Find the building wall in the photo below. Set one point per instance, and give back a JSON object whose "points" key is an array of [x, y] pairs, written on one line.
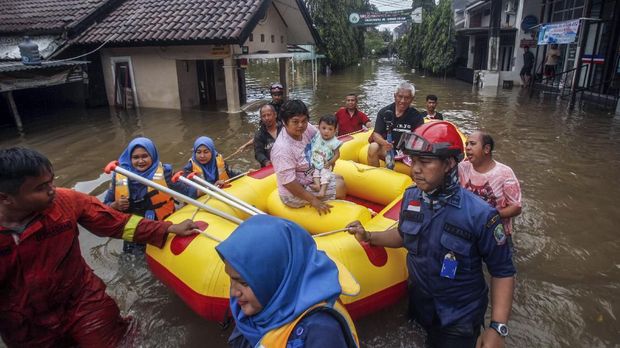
{"points": [[156, 73], [526, 8], [271, 25]]}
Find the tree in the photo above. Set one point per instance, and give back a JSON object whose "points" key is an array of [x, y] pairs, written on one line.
{"points": [[439, 48], [375, 42], [342, 43], [430, 44]]}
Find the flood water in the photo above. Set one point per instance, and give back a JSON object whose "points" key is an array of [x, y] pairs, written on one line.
{"points": [[566, 241]]}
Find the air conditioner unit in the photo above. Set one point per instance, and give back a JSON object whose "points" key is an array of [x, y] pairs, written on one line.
{"points": [[510, 7]]}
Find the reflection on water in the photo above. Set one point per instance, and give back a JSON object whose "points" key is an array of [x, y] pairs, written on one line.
{"points": [[567, 250]]}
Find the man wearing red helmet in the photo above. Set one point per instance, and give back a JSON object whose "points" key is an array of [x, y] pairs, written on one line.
{"points": [[448, 232]]}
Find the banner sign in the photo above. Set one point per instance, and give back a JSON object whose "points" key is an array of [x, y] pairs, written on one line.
{"points": [[376, 18], [558, 33]]}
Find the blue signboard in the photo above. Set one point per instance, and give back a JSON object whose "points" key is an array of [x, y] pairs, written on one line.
{"points": [[558, 33], [528, 23]]}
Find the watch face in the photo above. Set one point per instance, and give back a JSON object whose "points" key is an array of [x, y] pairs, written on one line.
{"points": [[503, 330]]}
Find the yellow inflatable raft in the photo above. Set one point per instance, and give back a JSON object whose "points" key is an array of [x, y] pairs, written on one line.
{"points": [[193, 269]]}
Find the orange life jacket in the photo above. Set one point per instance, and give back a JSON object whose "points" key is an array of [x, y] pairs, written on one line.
{"points": [[221, 168], [278, 338], [162, 203]]}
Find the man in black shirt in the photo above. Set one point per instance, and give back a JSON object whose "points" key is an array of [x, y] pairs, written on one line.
{"points": [[266, 135], [528, 64], [406, 119]]}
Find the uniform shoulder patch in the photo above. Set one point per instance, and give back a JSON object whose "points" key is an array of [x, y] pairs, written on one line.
{"points": [[492, 221], [499, 234]]}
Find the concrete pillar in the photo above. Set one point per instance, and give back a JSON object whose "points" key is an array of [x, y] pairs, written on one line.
{"points": [[284, 79], [232, 86], [494, 30], [470, 51]]}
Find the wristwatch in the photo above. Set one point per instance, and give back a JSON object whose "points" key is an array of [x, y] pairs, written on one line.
{"points": [[501, 328]]}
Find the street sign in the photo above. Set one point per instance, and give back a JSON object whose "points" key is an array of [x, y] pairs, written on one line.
{"points": [[385, 17]]}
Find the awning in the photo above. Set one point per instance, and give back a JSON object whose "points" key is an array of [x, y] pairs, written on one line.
{"points": [[16, 76]]}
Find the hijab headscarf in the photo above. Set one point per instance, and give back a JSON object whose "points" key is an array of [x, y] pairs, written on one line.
{"points": [[209, 170], [287, 274], [137, 190]]}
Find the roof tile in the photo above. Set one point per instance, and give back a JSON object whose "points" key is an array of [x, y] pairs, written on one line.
{"points": [[17, 16]]}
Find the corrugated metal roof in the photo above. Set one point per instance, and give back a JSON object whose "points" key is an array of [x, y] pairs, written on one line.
{"points": [[9, 49], [18, 66], [136, 21]]}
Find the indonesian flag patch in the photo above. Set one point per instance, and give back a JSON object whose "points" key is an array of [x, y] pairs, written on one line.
{"points": [[414, 206]]}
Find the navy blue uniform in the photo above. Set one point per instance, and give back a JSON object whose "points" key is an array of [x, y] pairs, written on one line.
{"points": [[466, 228]]}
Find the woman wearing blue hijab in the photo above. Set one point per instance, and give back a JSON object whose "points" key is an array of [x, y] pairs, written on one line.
{"points": [[208, 164], [141, 158], [285, 293]]}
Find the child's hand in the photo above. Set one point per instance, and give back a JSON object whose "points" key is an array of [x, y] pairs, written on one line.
{"points": [[121, 205], [222, 184]]}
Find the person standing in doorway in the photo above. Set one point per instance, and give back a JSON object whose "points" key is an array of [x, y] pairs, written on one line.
{"points": [[431, 108], [528, 64], [551, 61], [350, 118]]}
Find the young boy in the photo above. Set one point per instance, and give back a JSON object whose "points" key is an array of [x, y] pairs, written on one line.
{"points": [[50, 297], [325, 152]]}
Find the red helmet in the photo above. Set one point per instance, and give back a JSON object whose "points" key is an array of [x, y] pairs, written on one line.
{"points": [[433, 139]]}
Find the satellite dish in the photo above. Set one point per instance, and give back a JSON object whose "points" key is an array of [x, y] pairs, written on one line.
{"points": [[416, 15]]}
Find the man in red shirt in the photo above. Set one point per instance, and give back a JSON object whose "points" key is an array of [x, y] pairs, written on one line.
{"points": [[49, 296], [350, 119]]}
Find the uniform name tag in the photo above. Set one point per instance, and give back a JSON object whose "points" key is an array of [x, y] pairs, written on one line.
{"points": [[413, 216], [449, 265]]}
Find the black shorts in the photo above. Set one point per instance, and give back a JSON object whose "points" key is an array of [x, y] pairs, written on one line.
{"points": [[526, 70], [549, 70]]}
